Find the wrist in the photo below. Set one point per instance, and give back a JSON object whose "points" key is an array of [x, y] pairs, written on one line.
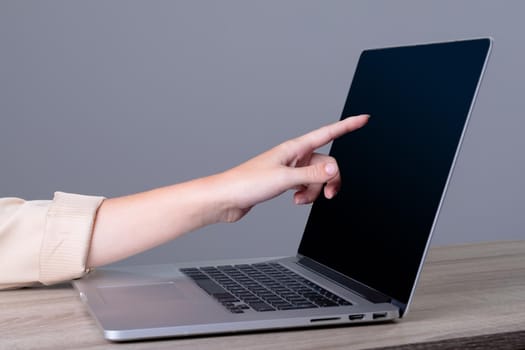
{"points": [[224, 197]]}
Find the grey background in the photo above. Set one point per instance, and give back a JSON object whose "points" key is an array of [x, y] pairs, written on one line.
{"points": [[115, 97]]}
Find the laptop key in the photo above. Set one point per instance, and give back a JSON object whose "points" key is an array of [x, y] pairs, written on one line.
{"points": [[210, 286], [261, 306], [225, 297], [298, 307]]}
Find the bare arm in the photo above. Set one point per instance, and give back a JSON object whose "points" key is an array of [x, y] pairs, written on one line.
{"points": [[132, 224]]}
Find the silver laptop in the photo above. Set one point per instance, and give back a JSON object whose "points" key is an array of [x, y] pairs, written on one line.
{"points": [[361, 252]]}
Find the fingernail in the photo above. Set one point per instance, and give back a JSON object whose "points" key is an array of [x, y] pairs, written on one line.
{"points": [[299, 200], [330, 168]]}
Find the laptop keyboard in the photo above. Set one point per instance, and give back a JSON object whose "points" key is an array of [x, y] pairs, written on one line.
{"points": [[261, 287]]}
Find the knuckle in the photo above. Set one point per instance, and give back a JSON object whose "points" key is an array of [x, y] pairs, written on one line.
{"points": [[315, 173]]}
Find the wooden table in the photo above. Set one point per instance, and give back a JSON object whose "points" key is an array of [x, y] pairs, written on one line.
{"points": [[468, 294]]}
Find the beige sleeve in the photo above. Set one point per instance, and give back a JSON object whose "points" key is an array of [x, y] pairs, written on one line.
{"points": [[45, 241]]}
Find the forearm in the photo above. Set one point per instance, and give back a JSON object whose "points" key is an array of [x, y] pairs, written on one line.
{"points": [[131, 224]]}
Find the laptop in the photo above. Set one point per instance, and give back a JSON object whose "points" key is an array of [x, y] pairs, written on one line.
{"points": [[361, 252]]}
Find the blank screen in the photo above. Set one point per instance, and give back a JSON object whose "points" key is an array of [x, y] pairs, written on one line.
{"points": [[394, 170]]}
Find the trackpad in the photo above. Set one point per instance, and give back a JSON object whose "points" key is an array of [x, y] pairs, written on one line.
{"points": [[157, 304], [142, 293]]}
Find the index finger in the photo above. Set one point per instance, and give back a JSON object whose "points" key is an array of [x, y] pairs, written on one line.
{"points": [[322, 136]]}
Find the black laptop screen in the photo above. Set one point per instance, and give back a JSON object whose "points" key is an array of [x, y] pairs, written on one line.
{"points": [[394, 170]]}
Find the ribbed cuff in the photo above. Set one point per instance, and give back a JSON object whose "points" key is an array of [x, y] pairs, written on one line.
{"points": [[67, 237]]}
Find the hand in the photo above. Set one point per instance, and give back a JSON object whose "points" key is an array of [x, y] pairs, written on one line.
{"points": [[293, 164], [131, 224]]}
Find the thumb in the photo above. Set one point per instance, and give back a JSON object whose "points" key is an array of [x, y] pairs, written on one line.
{"points": [[316, 173]]}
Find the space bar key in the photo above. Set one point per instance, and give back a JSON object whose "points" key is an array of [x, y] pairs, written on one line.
{"points": [[210, 287]]}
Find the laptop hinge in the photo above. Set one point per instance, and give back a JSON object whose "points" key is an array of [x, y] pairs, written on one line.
{"points": [[366, 292]]}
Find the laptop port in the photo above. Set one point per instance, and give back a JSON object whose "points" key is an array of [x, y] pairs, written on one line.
{"points": [[325, 319], [377, 315], [356, 317]]}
